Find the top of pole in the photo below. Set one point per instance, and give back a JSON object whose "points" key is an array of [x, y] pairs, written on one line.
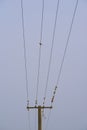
{"points": [[42, 107]]}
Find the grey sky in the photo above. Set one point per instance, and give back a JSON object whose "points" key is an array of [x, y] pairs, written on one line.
{"points": [[70, 106]]}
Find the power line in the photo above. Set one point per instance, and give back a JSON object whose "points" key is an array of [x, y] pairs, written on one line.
{"points": [[65, 50], [63, 60], [41, 33], [25, 60], [53, 38], [38, 75], [54, 93], [67, 42], [40, 45], [24, 47]]}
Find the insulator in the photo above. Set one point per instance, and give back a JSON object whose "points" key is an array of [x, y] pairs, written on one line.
{"points": [[28, 108], [54, 92], [53, 97], [36, 102], [27, 102], [28, 105], [40, 43], [52, 100], [56, 87], [44, 100]]}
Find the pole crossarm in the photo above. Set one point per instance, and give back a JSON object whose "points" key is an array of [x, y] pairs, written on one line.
{"points": [[41, 107]]}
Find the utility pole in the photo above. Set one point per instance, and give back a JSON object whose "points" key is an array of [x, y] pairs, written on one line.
{"points": [[39, 118], [39, 108]]}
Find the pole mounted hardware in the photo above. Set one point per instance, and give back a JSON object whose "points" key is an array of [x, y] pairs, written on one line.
{"points": [[39, 108]]}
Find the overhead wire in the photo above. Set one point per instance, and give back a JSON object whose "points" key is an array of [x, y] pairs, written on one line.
{"points": [[66, 46], [25, 60], [40, 46], [67, 42], [24, 47], [38, 75], [50, 60], [41, 33], [51, 52]]}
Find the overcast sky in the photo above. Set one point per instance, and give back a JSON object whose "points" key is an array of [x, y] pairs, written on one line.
{"points": [[70, 106]]}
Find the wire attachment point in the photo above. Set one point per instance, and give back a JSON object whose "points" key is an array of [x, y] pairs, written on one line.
{"points": [[27, 105], [44, 100], [40, 43], [52, 100], [35, 102]]}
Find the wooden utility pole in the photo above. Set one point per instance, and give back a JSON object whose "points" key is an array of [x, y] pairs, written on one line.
{"points": [[39, 114], [39, 118]]}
